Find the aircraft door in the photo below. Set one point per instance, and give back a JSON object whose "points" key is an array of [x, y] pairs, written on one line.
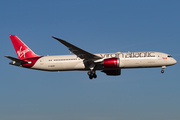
{"points": [[41, 61]]}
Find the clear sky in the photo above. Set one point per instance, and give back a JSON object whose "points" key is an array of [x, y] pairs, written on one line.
{"points": [[97, 26]]}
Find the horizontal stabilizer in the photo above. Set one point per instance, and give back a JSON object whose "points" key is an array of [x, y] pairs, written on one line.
{"points": [[16, 60]]}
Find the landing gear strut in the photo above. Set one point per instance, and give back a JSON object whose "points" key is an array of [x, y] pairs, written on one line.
{"points": [[92, 74], [163, 67]]}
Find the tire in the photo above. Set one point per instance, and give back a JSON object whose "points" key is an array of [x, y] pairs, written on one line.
{"points": [[94, 75], [90, 77]]}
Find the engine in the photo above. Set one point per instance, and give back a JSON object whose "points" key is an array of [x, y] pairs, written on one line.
{"points": [[111, 63]]}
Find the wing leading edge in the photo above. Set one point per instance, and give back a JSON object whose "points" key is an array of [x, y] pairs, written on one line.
{"points": [[78, 51]]}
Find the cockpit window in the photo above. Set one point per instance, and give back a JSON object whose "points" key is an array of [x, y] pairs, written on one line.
{"points": [[169, 56]]}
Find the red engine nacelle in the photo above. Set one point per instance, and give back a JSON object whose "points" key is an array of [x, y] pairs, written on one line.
{"points": [[111, 63]]}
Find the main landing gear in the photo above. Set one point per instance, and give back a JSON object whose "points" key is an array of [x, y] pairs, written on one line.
{"points": [[92, 74], [163, 67]]}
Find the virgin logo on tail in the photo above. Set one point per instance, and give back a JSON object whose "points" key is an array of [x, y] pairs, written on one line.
{"points": [[21, 52]]}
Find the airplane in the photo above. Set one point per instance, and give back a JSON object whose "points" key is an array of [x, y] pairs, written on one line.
{"points": [[109, 63]]}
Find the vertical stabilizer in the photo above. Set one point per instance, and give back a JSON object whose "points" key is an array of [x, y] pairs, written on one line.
{"points": [[22, 50]]}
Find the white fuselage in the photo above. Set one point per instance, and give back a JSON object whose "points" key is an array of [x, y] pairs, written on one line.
{"points": [[127, 60]]}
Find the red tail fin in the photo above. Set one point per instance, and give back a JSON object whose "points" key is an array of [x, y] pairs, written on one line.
{"points": [[22, 50]]}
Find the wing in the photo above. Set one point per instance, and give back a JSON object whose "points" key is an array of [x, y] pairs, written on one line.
{"points": [[78, 51]]}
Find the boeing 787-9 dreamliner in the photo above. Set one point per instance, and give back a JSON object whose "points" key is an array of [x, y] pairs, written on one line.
{"points": [[109, 63]]}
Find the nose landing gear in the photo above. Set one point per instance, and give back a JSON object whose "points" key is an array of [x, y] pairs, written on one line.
{"points": [[163, 67]]}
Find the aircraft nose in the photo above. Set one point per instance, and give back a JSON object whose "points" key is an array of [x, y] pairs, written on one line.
{"points": [[171, 61], [174, 61]]}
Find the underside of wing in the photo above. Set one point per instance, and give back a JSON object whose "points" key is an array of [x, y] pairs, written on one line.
{"points": [[78, 51]]}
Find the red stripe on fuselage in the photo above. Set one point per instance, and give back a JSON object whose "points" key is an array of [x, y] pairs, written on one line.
{"points": [[31, 62]]}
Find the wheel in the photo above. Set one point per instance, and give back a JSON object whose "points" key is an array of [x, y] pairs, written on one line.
{"points": [[89, 73], [90, 77], [162, 71], [94, 75]]}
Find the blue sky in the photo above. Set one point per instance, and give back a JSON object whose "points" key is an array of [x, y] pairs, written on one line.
{"points": [[97, 26]]}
